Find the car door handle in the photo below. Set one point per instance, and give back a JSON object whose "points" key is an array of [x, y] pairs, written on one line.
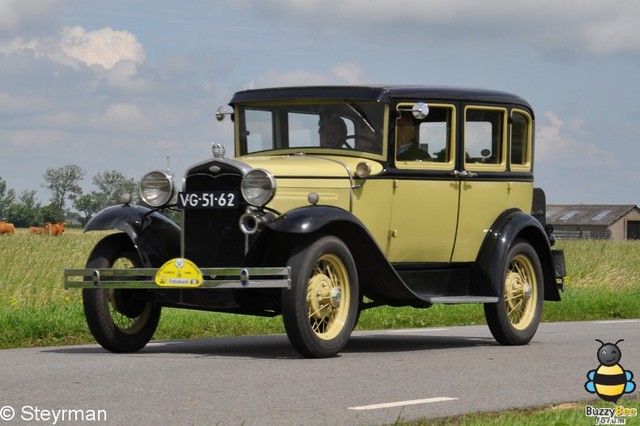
{"points": [[464, 174]]}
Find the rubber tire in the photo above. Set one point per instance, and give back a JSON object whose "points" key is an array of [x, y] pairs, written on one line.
{"points": [[99, 303], [295, 306], [501, 326]]}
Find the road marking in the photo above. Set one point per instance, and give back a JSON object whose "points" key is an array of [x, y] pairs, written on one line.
{"points": [[617, 321], [403, 403]]}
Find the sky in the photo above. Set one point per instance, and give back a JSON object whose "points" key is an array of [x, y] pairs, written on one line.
{"points": [[133, 85]]}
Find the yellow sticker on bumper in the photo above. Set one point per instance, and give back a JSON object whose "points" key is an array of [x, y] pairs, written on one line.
{"points": [[179, 273]]}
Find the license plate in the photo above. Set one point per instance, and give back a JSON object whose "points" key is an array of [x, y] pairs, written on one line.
{"points": [[208, 200]]}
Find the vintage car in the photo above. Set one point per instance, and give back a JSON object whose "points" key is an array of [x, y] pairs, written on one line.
{"points": [[338, 199]]}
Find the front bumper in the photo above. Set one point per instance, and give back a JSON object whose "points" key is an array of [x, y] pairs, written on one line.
{"points": [[144, 278]]}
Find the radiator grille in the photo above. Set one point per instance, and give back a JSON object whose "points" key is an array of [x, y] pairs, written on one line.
{"points": [[212, 237]]}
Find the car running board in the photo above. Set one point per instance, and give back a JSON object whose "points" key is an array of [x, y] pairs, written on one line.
{"points": [[459, 299]]}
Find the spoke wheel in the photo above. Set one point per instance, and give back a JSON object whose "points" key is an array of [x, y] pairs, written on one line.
{"points": [[515, 318], [328, 297], [120, 320], [520, 292], [129, 316], [320, 309]]}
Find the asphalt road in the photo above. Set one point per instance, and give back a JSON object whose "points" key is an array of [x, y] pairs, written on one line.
{"points": [[259, 380]]}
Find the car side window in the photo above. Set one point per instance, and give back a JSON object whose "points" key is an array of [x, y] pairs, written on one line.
{"points": [[426, 143], [521, 130], [484, 136], [435, 134]]}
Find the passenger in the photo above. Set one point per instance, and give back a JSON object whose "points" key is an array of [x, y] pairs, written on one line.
{"points": [[407, 146], [333, 132]]}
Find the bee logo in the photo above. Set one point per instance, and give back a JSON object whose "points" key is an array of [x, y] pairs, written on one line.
{"points": [[609, 381]]}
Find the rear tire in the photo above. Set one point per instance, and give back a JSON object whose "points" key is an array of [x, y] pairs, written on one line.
{"points": [[515, 318], [320, 309], [120, 320]]}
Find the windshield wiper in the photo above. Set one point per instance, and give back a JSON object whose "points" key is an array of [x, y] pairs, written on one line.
{"points": [[355, 108]]}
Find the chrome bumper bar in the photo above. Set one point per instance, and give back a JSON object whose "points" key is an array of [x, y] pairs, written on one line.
{"points": [[144, 278]]}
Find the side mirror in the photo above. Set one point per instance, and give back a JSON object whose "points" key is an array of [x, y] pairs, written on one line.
{"points": [[420, 110], [221, 112]]}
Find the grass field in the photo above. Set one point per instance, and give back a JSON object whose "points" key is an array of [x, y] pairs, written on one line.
{"points": [[35, 310]]}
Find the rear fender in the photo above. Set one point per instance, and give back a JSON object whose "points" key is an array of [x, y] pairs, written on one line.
{"points": [[155, 237], [511, 225]]}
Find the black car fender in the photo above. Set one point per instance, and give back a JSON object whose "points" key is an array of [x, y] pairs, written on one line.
{"points": [[378, 279], [513, 224], [155, 237]]}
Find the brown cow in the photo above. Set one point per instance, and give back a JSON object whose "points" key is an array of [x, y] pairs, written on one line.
{"points": [[7, 228], [54, 229], [36, 230]]}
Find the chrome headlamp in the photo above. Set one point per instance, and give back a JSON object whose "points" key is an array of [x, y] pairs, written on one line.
{"points": [[156, 188], [258, 187]]}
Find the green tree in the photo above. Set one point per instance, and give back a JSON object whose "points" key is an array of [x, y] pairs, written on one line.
{"points": [[7, 198], [88, 204], [52, 213], [21, 216], [63, 184], [26, 211], [112, 184]]}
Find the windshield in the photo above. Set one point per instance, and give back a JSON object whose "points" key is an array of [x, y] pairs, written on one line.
{"points": [[332, 125]]}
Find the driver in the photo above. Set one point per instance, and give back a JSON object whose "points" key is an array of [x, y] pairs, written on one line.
{"points": [[332, 132]]}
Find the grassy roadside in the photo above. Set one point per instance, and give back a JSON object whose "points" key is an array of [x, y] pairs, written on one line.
{"points": [[568, 414], [35, 310]]}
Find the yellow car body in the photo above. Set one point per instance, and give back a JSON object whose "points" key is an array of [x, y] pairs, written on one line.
{"points": [[339, 199]]}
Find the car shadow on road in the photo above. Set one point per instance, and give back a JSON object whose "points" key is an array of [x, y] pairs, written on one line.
{"points": [[278, 346], [388, 342]]}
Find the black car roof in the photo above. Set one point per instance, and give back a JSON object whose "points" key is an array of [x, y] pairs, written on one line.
{"points": [[379, 94]]}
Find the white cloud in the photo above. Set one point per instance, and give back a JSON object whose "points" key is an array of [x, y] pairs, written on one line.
{"points": [[123, 115], [619, 33], [9, 16], [74, 46], [343, 73], [591, 27], [17, 45], [22, 104], [15, 15], [124, 76], [349, 73], [105, 47], [564, 143], [35, 139]]}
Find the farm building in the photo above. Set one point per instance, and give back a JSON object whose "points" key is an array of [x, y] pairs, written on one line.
{"points": [[595, 221]]}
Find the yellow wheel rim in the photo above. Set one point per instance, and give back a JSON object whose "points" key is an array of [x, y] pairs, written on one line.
{"points": [[521, 292], [328, 297]]}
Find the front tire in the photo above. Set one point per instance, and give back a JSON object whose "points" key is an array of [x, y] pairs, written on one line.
{"points": [[320, 309], [120, 320], [515, 318]]}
